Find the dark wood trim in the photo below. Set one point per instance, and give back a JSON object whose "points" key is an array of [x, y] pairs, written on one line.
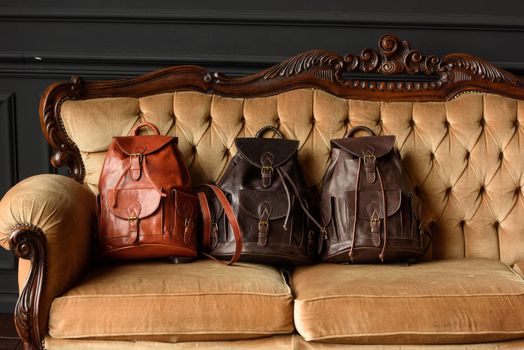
{"points": [[29, 242], [448, 76]]}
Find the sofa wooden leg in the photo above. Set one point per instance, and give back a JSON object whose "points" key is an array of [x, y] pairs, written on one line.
{"points": [[29, 242]]}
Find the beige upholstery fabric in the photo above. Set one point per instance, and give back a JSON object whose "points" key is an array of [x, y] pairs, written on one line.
{"points": [[66, 212], [519, 268], [438, 302], [160, 301], [280, 342], [464, 155]]}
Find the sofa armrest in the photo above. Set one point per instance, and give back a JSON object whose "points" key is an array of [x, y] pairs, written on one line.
{"points": [[519, 268], [48, 219]]}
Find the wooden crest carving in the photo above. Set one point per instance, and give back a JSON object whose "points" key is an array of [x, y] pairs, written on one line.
{"points": [[394, 56]]}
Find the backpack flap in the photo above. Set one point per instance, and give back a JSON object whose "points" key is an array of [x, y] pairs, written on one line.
{"points": [[133, 203], [142, 144], [369, 148], [263, 207], [266, 154]]}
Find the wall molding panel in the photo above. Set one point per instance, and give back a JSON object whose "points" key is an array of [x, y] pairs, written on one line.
{"points": [[8, 177]]}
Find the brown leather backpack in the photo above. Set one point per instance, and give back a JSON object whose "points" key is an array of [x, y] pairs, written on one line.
{"points": [[368, 205], [146, 209], [258, 212]]}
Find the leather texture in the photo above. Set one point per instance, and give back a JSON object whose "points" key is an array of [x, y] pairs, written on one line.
{"points": [[368, 204], [464, 155], [146, 209], [267, 194]]}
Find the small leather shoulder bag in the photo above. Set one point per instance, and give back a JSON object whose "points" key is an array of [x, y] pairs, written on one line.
{"points": [[368, 206], [146, 209], [259, 209]]}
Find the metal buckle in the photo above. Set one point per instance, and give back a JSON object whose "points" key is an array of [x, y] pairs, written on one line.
{"points": [[133, 218], [375, 221], [266, 170], [368, 157], [139, 155], [262, 223], [187, 222]]}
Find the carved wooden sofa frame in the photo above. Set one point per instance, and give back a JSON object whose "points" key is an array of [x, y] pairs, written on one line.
{"points": [[343, 76]]}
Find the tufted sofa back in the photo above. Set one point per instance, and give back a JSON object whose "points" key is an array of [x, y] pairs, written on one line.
{"points": [[459, 127], [465, 155]]}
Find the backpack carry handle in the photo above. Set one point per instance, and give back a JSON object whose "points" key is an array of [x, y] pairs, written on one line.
{"points": [[266, 128], [143, 125], [360, 128]]}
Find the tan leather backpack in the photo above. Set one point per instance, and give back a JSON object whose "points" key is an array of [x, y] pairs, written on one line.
{"points": [[146, 209], [368, 205]]}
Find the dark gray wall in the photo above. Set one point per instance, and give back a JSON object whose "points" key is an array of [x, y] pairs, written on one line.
{"points": [[45, 41]]}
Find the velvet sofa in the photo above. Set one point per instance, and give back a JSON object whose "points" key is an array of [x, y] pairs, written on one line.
{"points": [[459, 124]]}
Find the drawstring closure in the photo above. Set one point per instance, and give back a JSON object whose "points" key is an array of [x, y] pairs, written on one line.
{"points": [[285, 176], [355, 214], [385, 209], [288, 197]]}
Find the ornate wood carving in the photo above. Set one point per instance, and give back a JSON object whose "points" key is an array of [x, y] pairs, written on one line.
{"points": [[442, 78], [28, 242]]}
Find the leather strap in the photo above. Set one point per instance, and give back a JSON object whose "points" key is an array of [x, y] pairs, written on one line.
{"points": [[206, 220], [266, 128], [228, 210], [143, 125], [360, 128]]}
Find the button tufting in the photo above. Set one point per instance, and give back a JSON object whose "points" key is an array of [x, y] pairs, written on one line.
{"points": [[496, 225], [210, 119], [482, 122], [501, 155], [482, 189], [431, 155], [462, 223], [446, 124], [411, 122], [193, 149], [448, 190], [467, 155], [313, 121]]}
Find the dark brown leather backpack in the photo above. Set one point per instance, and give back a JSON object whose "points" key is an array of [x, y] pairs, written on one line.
{"points": [[146, 209], [368, 205], [258, 212]]}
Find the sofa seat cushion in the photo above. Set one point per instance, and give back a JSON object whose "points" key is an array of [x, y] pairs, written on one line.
{"points": [[160, 301], [449, 301]]}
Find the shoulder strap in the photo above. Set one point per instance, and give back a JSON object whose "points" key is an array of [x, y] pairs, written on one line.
{"points": [[228, 210]]}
